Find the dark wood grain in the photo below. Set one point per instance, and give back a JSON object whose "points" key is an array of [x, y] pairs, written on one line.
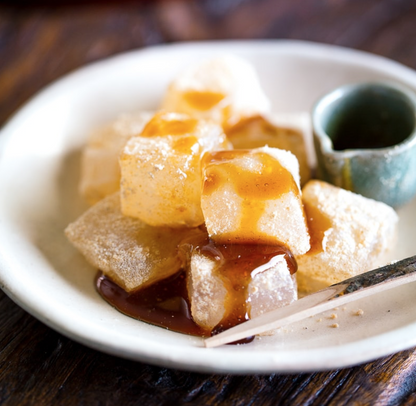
{"points": [[39, 366], [38, 44]]}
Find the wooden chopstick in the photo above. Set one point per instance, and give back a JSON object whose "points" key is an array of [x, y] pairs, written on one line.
{"points": [[358, 287]]}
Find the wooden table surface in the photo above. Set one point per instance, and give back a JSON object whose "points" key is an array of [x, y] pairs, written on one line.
{"points": [[41, 42]]}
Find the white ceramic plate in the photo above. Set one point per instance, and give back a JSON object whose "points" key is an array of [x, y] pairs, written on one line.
{"points": [[39, 170]]}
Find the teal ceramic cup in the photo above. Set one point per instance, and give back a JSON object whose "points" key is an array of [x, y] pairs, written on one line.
{"points": [[365, 140]]}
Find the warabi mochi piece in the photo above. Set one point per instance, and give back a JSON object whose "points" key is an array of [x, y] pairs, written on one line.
{"points": [[291, 132], [228, 284], [253, 196], [350, 234], [206, 292], [271, 287], [100, 170], [223, 89], [161, 170], [130, 252], [268, 290]]}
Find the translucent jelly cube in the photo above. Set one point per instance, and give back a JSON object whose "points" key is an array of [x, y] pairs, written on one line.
{"points": [[350, 234], [291, 132], [206, 292], [223, 89], [132, 253], [272, 286], [161, 170], [253, 196], [100, 170], [228, 284]]}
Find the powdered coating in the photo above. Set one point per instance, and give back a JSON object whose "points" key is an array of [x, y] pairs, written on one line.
{"points": [[100, 171], [161, 175], [130, 252], [361, 233], [206, 292], [232, 79]]}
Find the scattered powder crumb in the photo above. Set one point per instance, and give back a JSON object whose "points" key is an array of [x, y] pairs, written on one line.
{"points": [[335, 308], [319, 320], [344, 308], [335, 325], [333, 316], [359, 312]]}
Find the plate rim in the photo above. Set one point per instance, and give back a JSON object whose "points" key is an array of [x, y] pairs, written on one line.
{"points": [[163, 359]]}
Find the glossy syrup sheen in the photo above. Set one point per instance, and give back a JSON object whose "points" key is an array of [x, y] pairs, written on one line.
{"points": [[164, 124], [268, 181], [166, 303], [203, 100], [318, 223], [234, 264]]}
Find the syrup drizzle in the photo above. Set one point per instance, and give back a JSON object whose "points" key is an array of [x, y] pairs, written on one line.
{"points": [[166, 303], [203, 100], [269, 181], [164, 124], [318, 224], [234, 264]]}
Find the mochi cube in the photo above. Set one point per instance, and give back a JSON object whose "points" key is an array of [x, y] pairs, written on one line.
{"points": [[291, 132], [350, 234], [132, 253], [229, 284], [100, 170], [161, 170], [253, 196], [206, 292], [272, 286], [223, 89]]}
